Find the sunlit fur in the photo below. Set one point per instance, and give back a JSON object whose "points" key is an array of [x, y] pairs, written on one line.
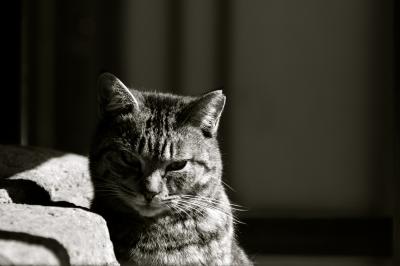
{"points": [[139, 136]]}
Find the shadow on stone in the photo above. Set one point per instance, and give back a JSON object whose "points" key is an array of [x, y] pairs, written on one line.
{"points": [[28, 192], [58, 250], [38, 176], [34, 176], [17, 159]]}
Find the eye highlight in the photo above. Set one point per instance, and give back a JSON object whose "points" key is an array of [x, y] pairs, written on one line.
{"points": [[176, 166]]}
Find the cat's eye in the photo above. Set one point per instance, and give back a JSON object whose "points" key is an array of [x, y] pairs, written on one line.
{"points": [[134, 164], [129, 161], [176, 166]]}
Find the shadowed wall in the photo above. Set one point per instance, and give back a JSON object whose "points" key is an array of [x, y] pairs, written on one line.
{"points": [[308, 127]]}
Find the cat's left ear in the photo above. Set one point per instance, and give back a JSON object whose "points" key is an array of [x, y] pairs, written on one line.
{"points": [[206, 111], [114, 96]]}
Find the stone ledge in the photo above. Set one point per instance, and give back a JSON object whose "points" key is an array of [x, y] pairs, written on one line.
{"points": [[44, 198], [40, 235], [41, 176]]}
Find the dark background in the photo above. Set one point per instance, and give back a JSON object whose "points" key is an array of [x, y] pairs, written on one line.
{"points": [[309, 130]]}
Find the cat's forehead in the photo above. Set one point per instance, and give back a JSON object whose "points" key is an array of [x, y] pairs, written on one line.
{"points": [[162, 102], [163, 148], [159, 113], [154, 132]]}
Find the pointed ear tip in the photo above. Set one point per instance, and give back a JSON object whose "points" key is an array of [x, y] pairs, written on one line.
{"points": [[220, 94], [217, 93], [107, 81], [106, 77]]}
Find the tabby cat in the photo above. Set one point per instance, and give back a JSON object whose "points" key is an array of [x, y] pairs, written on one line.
{"points": [[156, 168]]}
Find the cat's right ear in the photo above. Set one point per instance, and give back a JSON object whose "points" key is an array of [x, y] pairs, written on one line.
{"points": [[205, 112], [114, 96]]}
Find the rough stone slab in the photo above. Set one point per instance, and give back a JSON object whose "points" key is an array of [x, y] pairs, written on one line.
{"points": [[14, 252], [4, 197], [39, 235], [38, 176]]}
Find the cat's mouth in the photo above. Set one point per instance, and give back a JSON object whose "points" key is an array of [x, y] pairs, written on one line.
{"points": [[145, 208], [148, 209]]}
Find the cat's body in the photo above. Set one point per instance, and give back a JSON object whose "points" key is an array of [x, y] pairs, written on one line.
{"points": [[156, 167], [173, 240]]}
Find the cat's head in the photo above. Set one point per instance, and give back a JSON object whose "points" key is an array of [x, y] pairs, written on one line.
{"points": [[155, 151]]}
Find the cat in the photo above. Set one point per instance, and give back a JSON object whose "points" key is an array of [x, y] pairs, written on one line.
{"points": [[156, 168]]}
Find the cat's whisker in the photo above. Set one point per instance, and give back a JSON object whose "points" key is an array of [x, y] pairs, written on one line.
{"points": [[122, 186], [106, 185], [228, 186], [174, 209], [105, 188], [190, 208], [113, 189], [215, 208], [212, 200], [127, 191], [110, 185], [110, 194], [177, 200], [115, 186], [170, 198], [199, 204], [233, 206], [184, 209]]}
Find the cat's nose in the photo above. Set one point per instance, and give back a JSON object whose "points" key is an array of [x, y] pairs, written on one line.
{"points": [[149, 195], [152, 185]]}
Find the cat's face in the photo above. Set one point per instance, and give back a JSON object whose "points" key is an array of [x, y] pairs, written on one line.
{"points": [[154, 152]]}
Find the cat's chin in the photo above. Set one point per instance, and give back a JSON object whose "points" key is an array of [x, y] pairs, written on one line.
{"points": [[150, 212]]}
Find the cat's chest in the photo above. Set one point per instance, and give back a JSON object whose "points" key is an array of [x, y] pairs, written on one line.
{"points": [[181, 243]]}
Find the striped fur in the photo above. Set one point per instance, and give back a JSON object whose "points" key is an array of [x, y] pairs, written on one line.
{"points": [[157, 168]]}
